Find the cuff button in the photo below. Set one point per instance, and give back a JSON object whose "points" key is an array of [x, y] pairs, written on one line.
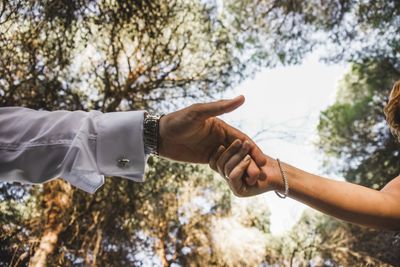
{"points": [[123, 162]]}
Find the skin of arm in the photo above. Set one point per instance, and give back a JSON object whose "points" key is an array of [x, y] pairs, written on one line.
{"points": [[343, 200]]}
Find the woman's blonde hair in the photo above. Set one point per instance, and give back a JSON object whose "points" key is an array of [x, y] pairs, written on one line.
{"points": [[392, 110]]}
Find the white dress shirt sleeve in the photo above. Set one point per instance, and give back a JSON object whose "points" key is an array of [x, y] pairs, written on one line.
{"points": [[80, 147]]}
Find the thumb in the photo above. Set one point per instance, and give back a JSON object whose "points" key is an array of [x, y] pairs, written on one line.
{"points": [[220, 107]]}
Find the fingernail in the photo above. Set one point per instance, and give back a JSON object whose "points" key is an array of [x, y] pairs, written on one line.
{"points": [[238, 142], [247, 158], [246, 144]]}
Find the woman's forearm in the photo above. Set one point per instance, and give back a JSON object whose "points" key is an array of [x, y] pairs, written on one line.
{"points": [[347, 201]]}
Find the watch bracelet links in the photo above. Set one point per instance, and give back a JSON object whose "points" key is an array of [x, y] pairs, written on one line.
{"points": [[151, 133]]}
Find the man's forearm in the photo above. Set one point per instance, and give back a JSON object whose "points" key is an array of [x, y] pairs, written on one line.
{"points": [[81, 147]]}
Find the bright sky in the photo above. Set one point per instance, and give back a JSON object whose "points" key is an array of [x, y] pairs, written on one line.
{"points": [[285, 102]]}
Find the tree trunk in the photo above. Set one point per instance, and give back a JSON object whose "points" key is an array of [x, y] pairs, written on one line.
{"points": [[161, 252], [97, 246], [292, 257], [57, 201]]}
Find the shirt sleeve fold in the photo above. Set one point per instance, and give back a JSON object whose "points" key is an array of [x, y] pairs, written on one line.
{"points": [[81, 147]]}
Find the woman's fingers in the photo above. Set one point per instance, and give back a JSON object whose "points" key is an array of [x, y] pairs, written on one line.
{"points": [[227, 154], [235, 181], [232, 163], [214, 157], [253, 173], [236, 158]]}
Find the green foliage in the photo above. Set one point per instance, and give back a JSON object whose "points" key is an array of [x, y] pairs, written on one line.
{"points": [[353, 133], [253, 213], [368, 30], [132, 218], [320, 240], [344, 30], [111, 55]]}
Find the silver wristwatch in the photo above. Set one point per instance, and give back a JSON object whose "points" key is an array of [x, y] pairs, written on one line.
{"points": [[151, 133]]}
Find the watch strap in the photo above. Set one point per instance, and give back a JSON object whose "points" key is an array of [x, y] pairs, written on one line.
{"points": [[151, 133]]}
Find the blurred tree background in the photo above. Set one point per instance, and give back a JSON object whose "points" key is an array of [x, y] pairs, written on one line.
{"points": [[161, 55]]}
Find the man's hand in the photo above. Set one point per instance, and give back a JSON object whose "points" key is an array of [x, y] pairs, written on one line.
{"points": [[194, 133]]}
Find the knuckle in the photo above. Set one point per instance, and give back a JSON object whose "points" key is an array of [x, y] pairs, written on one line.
{"points": [[194, 111]]}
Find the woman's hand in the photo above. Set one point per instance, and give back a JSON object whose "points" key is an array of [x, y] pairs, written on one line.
{"points": [[232, 164]]}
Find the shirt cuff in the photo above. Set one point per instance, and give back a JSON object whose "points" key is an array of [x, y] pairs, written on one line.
{"points": [[84, 180], [120, 148]]}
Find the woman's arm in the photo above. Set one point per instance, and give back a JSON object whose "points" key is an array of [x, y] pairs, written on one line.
{"points": [[344, 200]]}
